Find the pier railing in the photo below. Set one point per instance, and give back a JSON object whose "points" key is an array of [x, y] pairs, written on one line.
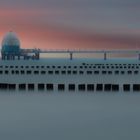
{"points": [[104, 52], [36, 52]]}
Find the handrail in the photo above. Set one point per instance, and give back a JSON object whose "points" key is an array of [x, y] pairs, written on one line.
{"points": [[37, 52]]}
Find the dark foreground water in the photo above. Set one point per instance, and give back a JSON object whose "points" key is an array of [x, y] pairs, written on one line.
{"points": [[55, 116]]}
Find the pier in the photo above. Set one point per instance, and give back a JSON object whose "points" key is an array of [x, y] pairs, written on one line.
{"points": [[34, 54]]}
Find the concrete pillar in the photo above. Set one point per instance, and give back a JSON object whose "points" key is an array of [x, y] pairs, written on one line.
{"points": [[37, 56], [105, 56], [8, 57], [13, 57], [71, 56], [139, 56], [24, 57], [18, 57], [3, 57]]}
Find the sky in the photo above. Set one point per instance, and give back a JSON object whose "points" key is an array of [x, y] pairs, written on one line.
{"points": [[72, 24]]}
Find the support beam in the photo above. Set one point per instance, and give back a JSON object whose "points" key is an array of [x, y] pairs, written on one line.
{"points": [[8, 57], [139, 56], [105, 56], [3, 56], [71, 55], [18, 57], [37, 56], [25, 57]]}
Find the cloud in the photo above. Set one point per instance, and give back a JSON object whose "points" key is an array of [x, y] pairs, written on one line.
{"points": [[68, 28], [49, 37]]}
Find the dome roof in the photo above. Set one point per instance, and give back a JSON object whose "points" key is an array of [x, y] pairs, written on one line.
{"points": [[10, 43]]}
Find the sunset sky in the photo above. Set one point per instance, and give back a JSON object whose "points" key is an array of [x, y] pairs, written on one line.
{"points": [[72, 24]]}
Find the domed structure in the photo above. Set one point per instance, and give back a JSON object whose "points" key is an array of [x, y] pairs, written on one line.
{"points": [[10, 44], [11, 49]]}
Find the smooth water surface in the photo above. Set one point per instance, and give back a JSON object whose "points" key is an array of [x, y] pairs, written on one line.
{"points": [[75, 116]]}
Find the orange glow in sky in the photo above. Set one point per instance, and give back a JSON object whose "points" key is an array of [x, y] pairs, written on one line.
{"points": [[38, 28]]}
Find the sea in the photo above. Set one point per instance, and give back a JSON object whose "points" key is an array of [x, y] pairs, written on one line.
{"points": [[69, 116]]}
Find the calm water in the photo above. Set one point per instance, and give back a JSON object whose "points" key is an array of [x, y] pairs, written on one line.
{"points": [[75, 116]]}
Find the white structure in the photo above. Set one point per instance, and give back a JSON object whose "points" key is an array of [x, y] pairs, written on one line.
{"points": [[51, 74]]}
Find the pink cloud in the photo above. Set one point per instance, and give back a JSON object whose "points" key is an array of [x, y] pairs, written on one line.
{"points": [[34, 31]]}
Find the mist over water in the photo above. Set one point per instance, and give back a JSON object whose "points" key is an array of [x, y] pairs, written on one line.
{"points": [[69, 116]]}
